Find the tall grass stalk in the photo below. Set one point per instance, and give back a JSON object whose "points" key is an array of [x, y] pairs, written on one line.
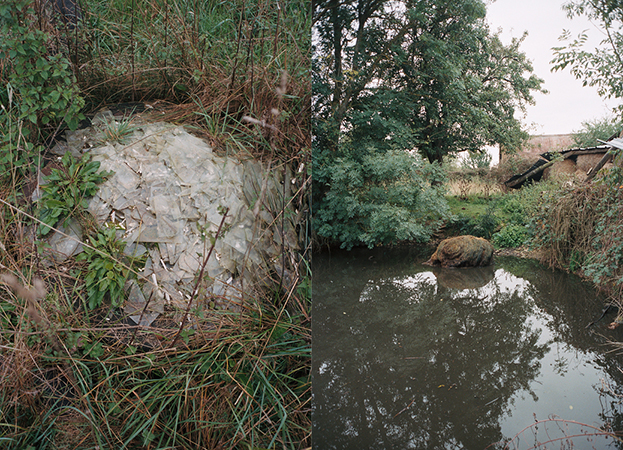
{"points": [[228, 55], [224, 387]]}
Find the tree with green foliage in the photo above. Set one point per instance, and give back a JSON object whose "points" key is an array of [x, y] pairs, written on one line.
{"points": [[593, 131], [465, 83], [602, 66], [429, 68], [422, 76]]}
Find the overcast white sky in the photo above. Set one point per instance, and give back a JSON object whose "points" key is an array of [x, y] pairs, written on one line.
{"points": [[568, 104]]}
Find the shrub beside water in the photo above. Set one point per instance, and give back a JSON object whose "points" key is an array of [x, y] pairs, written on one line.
{"points": [[511, 236], [521, 209], [384, 199], [584, 228]]}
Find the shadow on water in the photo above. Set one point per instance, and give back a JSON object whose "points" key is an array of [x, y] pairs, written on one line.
{"points": [[408, 356]]}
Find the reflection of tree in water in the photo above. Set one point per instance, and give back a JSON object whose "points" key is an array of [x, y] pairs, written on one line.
{"points": [[405, 364], [572, 305], [611, 396]]}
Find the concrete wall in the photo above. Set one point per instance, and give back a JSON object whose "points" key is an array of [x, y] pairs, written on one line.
{"points": [[548, 143]]}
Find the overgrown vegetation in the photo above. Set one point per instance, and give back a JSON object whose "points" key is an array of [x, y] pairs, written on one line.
{"points": [[75, 374], [37, 89], [507, 218], [574, 226], [68, 386], [220, 60], [426, 77], [584, 230]]}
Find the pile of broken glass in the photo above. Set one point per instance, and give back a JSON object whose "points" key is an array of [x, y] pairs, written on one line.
{"points": [[167, 196]]}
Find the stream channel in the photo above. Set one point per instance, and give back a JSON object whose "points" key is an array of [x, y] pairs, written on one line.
{"points": [[406, 356]]}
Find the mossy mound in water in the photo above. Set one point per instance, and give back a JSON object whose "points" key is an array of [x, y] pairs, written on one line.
{"points": [[462, 251]]}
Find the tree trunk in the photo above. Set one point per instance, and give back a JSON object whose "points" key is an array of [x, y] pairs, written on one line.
{"points": [[435, 158], [334, 133]]}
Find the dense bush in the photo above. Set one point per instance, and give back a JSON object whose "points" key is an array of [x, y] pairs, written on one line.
{"points": [[486, 224], [511, 236], [378, 198], [459, 224]]}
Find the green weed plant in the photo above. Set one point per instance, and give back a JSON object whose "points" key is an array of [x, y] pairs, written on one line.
{"points": [[66, 191], [106, 274]]}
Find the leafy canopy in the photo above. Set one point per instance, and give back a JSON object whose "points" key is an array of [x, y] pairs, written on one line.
{"points": [[602, 66], [426, 74]]}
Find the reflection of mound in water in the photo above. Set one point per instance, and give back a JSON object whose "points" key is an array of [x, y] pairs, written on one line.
{"points": [[464, 278]]}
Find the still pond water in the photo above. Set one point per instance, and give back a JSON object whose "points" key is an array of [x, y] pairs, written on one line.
{"points": [[406, 356]]}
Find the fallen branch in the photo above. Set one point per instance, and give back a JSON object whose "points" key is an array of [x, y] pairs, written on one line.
{"points": [[534, 171], [602, 162]]}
